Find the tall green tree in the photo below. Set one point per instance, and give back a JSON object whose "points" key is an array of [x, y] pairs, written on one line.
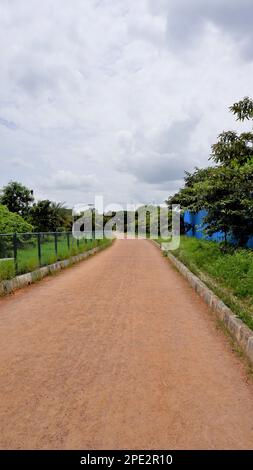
{"points": [[229, 192], [11, 222], [190, 197], [17, 198], [225, 190], [47, 216]]}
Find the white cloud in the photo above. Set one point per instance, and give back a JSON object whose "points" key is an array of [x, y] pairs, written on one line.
{"points": [[117, 97], [63, 179]]}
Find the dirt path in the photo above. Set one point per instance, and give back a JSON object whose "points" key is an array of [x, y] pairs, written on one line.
{"points": [[118, 352]]}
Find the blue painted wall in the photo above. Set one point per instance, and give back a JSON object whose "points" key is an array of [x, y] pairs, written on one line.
{"points": [[196, 220]]}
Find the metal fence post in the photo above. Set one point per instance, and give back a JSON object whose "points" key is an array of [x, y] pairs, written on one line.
{"points": [[159, 222], [39, 248], [68, 241], [55, 244], [15, 252]]}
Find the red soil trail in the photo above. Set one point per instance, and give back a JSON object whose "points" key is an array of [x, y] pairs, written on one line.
{"points": [[119, 352]]}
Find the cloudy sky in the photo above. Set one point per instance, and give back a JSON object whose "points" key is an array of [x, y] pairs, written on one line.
{"points": [[117, 97]]}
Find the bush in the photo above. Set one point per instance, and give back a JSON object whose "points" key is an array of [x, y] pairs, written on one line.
{"points": [[11, 222], [229, 273], [234, 269]]}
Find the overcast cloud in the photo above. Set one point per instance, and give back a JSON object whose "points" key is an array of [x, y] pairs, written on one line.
{"points": [[117, 97]]}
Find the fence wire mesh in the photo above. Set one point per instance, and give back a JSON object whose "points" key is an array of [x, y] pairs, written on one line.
{"points": [[24, 252]]}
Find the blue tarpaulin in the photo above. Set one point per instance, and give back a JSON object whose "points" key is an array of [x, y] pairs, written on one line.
{"points": [[198, 226]]}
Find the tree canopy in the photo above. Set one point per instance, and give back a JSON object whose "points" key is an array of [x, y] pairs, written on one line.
{"points": [[43, 215], [225, 190], [47, 216], [11, 222], [17, 198]]}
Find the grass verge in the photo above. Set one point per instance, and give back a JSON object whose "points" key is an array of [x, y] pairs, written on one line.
{"points": [[28, 260], [229, 275]]}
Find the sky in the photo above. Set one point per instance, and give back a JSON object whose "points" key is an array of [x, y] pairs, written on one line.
{"points": [[117, 97]]}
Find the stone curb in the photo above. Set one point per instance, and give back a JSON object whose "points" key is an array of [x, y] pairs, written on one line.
{"points": [[239, 331], [8, 287]]}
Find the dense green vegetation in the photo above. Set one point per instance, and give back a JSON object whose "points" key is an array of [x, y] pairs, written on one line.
{"points": [[28, 260], [17, 198], [230, 275], [20, 215], [11, 222], [225, 190], [42, 216]]}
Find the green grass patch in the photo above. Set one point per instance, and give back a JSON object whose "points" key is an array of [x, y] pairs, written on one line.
{"points": [[28, 258], [229, 275], [7, 270]]}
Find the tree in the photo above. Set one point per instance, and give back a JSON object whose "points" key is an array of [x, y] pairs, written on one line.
{"points": [[11, 222], [17, 198], [63, 216], [68, 219], [229, 195], [47, 216], [225, 190], [190, 196], [243, 109], [227, 198]]}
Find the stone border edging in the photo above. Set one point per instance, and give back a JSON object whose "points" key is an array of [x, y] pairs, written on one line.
{"points": [[9, 286], [242, 334]]}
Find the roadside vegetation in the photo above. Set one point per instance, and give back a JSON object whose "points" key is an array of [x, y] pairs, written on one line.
{"points": [[27, 259], [228, 274], [225, 189], [22, 216]]}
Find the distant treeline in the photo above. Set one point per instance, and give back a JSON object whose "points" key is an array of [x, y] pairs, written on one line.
{"points": [[20, 213]]}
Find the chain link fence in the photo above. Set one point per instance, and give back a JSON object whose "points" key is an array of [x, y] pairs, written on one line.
{"points": [[23, 252]]}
